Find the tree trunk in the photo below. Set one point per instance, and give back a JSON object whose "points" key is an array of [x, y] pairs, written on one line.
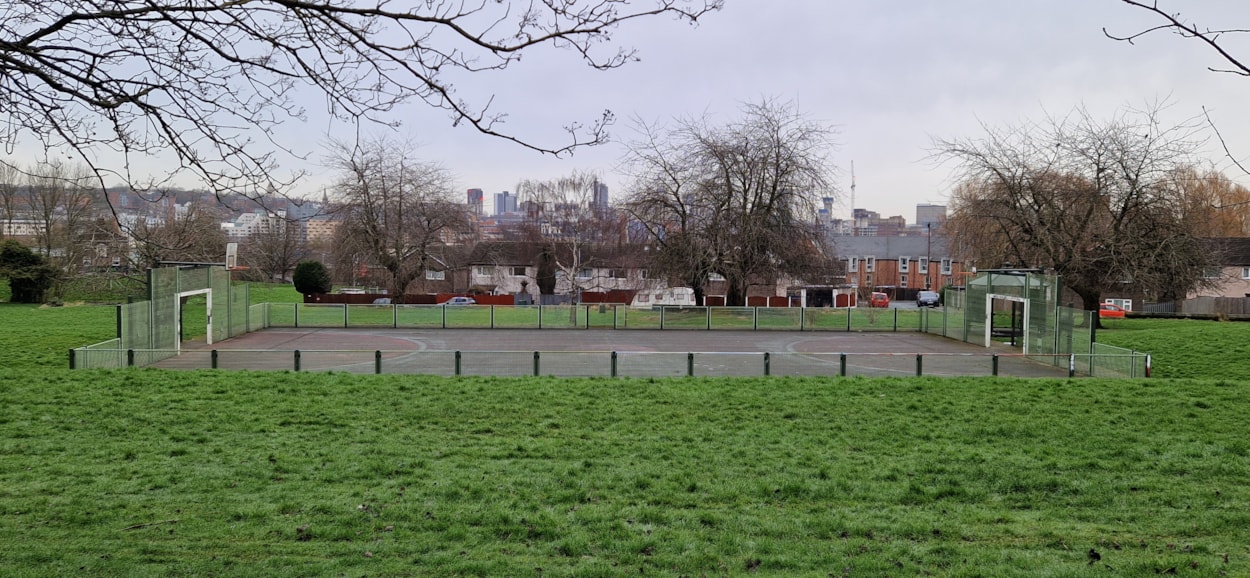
{"points": [[1090, 300]]}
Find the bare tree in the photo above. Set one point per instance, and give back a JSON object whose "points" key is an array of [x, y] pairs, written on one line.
{"points": [[10, 200], [737, 200], [399, 210], [1094, 201], [60, 200], [190, 234], [203, 79], [564, 221], [1207, 197], [275, 250]]}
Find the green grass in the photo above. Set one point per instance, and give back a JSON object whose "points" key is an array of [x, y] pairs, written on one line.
{"points": [[248, 474], [1185, 347], [154, 473]]}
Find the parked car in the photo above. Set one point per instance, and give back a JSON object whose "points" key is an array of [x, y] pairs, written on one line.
{"points": [[1110, 310], [928, 299], [878, 299], [458, 300]]}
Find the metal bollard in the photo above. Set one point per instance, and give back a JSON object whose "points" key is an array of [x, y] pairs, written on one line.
{"points": [[767, 364], [377, 362], [213, 357], [296, 360]]}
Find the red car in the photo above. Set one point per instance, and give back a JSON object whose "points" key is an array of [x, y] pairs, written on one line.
{"points": [[1110, 310], [878, 300]]}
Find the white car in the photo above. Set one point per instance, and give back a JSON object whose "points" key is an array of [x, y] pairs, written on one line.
{"points": [[458, 300]]}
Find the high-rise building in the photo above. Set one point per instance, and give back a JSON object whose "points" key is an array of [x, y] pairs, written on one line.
{"points": [[475, 201], [599, 199], [505, 203], [929, 215]]}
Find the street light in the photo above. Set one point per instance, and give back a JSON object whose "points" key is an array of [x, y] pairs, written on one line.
{"points": [[928, 261]]}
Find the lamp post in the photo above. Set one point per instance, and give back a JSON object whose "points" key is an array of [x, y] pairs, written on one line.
{"points": [[928, 261]]}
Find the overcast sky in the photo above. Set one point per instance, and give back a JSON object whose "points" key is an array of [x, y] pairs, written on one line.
{"points": [[890, 76]]}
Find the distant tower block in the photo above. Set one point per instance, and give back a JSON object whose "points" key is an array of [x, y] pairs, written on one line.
{"points": [[475, 201], [930, 215]]}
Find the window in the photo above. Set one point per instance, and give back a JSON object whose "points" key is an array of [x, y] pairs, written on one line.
{"points": [[433, 275], [715, 277], [644, 274], [117, 261], [485, 270], [924, 265], [1245, 272], [902, 280], [853, 265], [903, 264], [616, 273], [1212, 273], [1125, 304], [868, 280], [585, 273], [644, 298], [870, 264], [518, 271], [946, 266]]}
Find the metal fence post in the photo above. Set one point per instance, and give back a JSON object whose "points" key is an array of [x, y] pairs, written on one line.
{"points": [[895, 319], [848, 319], [1072, 365], [613, 364], [296, 360], [377, 361], [130, 358], [842, 364], [492, 316], [213, 357], [690, 364], [444, 315], [536, 373], [709, 318], [919, 365], [346, 308], [767, 364], [755, 319], [662, 317], [457, 363], [394, 316], [995, 365], [1132, 364], [296, 306]]}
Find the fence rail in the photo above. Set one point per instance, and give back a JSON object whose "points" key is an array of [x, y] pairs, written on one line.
{"points": [[601, 316], [629, 363]]}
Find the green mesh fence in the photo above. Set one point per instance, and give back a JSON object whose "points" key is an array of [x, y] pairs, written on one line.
{"points": [[1055, 335]]}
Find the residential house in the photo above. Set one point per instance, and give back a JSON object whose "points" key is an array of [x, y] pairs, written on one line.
{"points": [[900, 266]]}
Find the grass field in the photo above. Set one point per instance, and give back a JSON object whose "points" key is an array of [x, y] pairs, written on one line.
{"points": [[152, 473]]}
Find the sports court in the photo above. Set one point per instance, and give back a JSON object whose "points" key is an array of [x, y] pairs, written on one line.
{"points": [[605, 352]]}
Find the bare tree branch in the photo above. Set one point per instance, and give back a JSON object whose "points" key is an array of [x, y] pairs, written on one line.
{"points": [[1186, 29], [208, 81]]}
